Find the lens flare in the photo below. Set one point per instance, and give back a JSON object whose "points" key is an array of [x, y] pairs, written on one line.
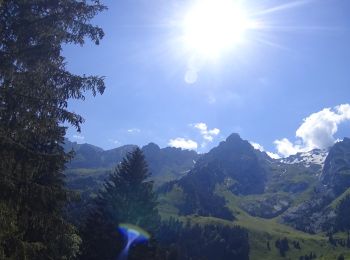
{"points": [[134, 234]]}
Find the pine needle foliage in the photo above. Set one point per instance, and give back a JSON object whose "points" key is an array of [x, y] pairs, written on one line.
{"points": [[35, 87], [127, 197]]}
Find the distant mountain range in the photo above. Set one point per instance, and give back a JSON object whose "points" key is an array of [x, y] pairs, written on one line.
{"points": [[235, 184], [231, 180], [91, 165]]}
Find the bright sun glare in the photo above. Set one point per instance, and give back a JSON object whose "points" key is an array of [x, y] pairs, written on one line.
{"points": [[214, 26]]}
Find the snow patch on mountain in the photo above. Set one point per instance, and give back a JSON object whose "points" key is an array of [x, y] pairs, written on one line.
{"points": [[314, 157]]}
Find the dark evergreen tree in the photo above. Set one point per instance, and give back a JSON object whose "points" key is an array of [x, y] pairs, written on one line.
{"points": [[268, 245], [343, 213], [127, 197], [34, 90], [177, 241], [331, 240], [296, 244], [341, 257], [282, 245], [342, 221]]}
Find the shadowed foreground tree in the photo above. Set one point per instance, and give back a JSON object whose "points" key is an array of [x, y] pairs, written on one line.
{"points": [[34, 90], [127, 197]]}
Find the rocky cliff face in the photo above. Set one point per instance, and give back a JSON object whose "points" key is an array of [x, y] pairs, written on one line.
{"points": [[234, 164], [238, 164], [336, 171], [315, 214], [314, 160]]}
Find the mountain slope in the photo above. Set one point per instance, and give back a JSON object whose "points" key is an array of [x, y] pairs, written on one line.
{"points": [[233, 163], [238, 163], [293, 198], [336, 172]]}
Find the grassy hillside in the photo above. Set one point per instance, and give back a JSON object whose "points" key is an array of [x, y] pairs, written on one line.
{"points": [[261, 231], [335, 202], [233, 181]]}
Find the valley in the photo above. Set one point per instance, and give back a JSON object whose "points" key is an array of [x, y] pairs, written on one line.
{"points": [[234, 184]]}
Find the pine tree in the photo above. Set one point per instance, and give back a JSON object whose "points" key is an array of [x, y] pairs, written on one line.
{"points": [[127, 197], [342, 220], [343, 213], [34, 91]]}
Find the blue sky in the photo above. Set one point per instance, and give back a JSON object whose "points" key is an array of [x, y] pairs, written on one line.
{"points": [[298, 64]]}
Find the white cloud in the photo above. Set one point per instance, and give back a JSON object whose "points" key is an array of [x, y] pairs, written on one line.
{"points": [[208, 135], [257, 146], [183, 143], [316, 131], [273, 155], [78, 137], [194, 66], [286, 148], [114, 141], [261, 149], [134, 130]]}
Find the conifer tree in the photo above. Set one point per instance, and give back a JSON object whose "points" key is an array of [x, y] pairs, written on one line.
{"points": [[343, 213], [35, 87], [127, 197], [342, 219]]}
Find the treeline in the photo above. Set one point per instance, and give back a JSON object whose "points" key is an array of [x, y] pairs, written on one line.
{"points": [[35, 88], [341, 223], [128, 197]]}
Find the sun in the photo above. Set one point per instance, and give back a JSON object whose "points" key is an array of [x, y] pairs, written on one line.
{"points": [[214, 26]]}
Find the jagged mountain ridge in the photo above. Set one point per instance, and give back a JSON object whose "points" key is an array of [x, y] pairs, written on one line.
{"points": [[90, 156], [91, 164], [336, 171], [265, 187], [233, 162], [233, 184], [288, 189], [235, 165]]}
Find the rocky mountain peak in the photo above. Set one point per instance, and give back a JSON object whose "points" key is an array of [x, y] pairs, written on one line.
{"points": [[151, 148], [336, 171], [234, 138]]}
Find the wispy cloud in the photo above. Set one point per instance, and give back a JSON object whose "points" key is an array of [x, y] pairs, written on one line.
{"points": [[284, 6], [134, 130], [316, 131], [261, 148], [114, 141], [78, 137], [273, 155], [257, 146], [207, 134], [194, 66], [183, 143]]}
